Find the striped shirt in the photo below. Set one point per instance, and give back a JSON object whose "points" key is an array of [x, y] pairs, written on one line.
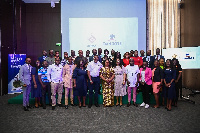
{"points": [[43, 72]]}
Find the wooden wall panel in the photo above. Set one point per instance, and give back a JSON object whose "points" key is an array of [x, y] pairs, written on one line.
{"points": [[190, 36]]}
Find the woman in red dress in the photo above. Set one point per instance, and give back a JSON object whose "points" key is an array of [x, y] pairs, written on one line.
{"points": [[126, 59]]}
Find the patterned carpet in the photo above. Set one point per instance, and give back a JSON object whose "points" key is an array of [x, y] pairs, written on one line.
{"points": [[182, 119]]}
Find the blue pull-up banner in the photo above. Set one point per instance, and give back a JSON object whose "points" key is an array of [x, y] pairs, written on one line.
{"points": [[15, 61]]}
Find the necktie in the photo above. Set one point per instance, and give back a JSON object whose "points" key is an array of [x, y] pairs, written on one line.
{"points": [[157, 57]]}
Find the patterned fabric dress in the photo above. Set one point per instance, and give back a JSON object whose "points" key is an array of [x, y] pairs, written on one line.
{"points": [[108, 88]]}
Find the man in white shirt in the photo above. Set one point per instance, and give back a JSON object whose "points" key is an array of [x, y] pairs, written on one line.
{"points": [[54, 75], [132, 72], [93, 69]]}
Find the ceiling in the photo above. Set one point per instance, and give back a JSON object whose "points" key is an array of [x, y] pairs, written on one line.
{"points": [[40, 1]]}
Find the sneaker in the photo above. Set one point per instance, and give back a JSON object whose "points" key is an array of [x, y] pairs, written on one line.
{"points": [[146, 106], [142, 105]]}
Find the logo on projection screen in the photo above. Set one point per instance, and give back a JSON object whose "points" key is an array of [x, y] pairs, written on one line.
{"points": [[92, 39]]}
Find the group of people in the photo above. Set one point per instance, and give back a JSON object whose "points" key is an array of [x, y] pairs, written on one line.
{"points": [[115, 75]]}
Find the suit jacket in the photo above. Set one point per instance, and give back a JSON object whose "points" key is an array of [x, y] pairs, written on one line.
{"points": [[150, 62], [160, 57], [25, 74], [148, 75], [67, 78]]}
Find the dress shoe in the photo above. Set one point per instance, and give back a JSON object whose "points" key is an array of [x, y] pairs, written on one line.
{"points": [[53, 107], [26, 109], [72, 104], [29, 107], [89, 106], [128, 104], [84, 105], [168, 109], [44, 106], [117, 104], [135, 104], [97, 105], [66, 106], [60, 105]]}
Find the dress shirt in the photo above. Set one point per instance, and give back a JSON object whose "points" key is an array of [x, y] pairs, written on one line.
{"points": [[54, 73], [94, 68], [29, 67]]}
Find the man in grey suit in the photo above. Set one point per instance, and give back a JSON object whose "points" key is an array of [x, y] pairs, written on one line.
{"points": [[25, 78]]}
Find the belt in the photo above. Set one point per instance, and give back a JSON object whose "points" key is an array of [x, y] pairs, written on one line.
{"points": [[95, 77]]}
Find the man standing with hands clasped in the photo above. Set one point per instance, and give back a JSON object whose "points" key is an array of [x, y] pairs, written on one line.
{"points": [[55, 77], [93, 69], [25, 78]]}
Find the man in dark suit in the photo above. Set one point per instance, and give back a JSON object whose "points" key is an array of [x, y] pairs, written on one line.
{"points": [[149, 59], [158, 56], [80, 52], [25, 78], [94, 51], [43, 57]]}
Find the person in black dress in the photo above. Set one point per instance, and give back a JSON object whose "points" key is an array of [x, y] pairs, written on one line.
{"points": [[178, 79], [169, 81], [80, 82]]}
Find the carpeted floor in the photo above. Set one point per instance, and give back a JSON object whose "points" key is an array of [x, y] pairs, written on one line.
{"points": [[182, 119]]}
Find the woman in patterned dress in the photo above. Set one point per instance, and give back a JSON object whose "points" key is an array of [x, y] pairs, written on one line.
{"points": [[107, 75], [120, 76]]}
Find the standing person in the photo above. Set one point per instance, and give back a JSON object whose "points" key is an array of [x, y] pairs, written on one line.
{"points": [[25, 78], [93, 69], [65, 60], [162, 89], [80, 52], [158, 56], [106, 52], [137, 60], [80, 82], [46, 87], [132, 74], [169, 80], [51, 59], [36, 91], [178, 79], [68, 81], [88, 55], [57, 55], [145, 83], [43, 57], [107, 75], [94, 51], [142, 54], [149, 59], [73, 55], [120, 79], [157, 78], [99, 54], [126, 59], [55, 77]]}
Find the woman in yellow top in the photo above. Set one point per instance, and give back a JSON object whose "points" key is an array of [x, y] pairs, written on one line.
{"points": [[107, 75]]}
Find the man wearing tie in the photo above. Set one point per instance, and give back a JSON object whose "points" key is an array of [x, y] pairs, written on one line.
{"points": [[158, 56], [25, 78], [149, 59]]}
